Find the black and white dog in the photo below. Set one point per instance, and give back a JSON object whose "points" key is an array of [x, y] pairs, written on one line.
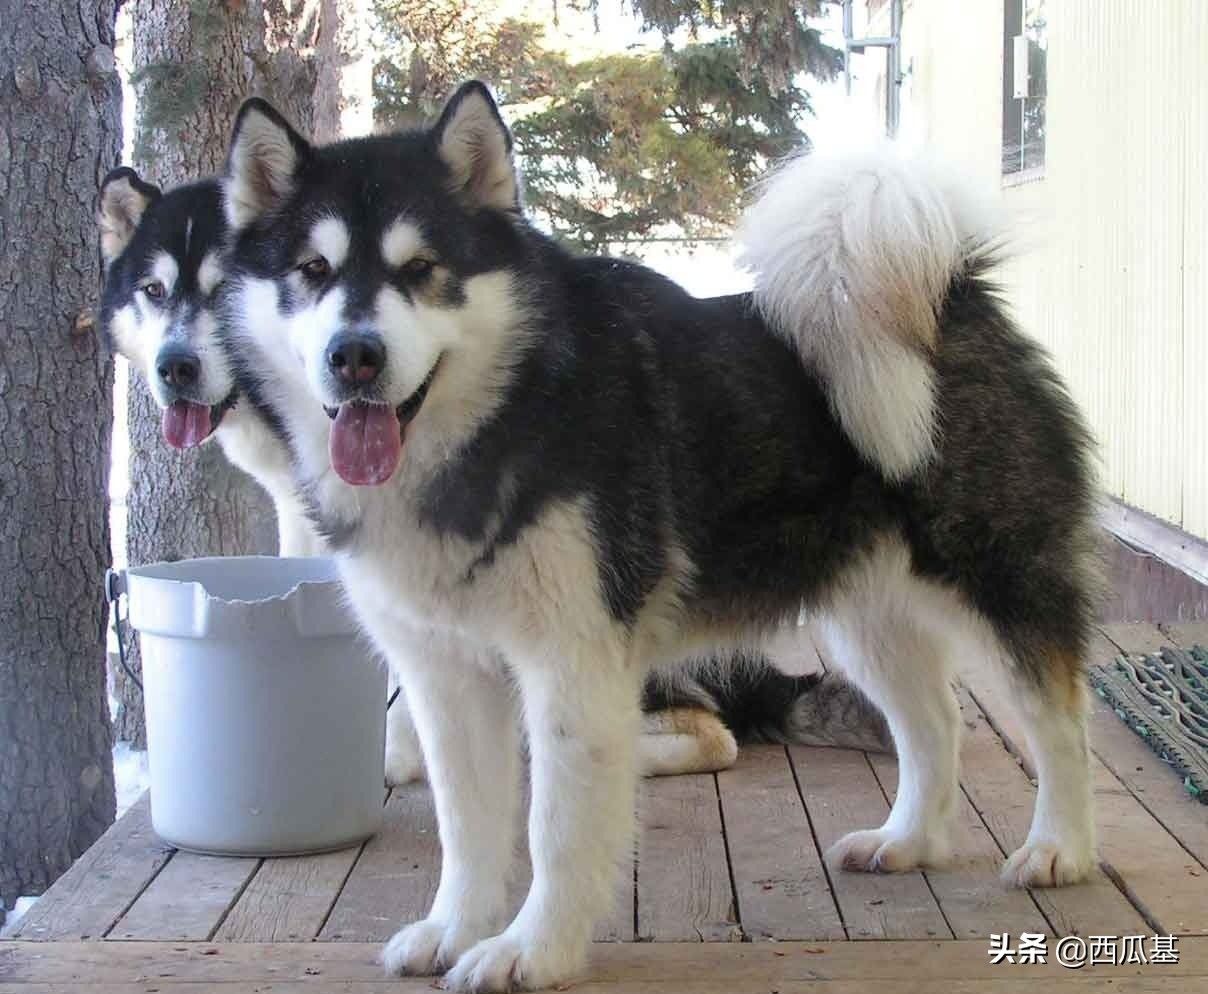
{"points": [[548, 474], [163, 257]]}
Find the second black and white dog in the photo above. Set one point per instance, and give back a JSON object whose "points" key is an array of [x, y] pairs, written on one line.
{"points": [[550, 473]]}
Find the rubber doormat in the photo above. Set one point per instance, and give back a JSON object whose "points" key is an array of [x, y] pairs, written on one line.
{"points": [[1164, 699]]}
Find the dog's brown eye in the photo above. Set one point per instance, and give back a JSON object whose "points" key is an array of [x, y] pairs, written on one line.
{"points": [[317, 268], [419, 266], [154, 289]]}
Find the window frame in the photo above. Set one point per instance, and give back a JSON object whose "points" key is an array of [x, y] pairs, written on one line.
{"points": [[1015, 24]]}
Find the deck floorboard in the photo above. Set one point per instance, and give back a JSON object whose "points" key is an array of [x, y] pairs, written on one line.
{"points": [[720, 859], [955, 967], [394, 880], [101, 885], [683, 879], [841, 794], [780, 882]]}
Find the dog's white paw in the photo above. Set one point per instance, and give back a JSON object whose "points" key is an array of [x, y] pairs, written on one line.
{"points": [[877, 850], [1048, 864], [515, 961], [429, 946]]}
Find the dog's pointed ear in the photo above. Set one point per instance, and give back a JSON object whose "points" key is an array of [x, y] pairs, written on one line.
{"points": [[124, 198], [476, 145], [262, 163]]}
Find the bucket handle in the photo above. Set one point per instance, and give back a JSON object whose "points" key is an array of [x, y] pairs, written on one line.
{"points": [[115, 586]]}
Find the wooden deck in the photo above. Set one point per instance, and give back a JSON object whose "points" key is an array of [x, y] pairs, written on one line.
{"points": [[724, 863]]}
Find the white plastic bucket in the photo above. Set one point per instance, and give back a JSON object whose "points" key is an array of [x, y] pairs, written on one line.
{"points": [[265, 712]]}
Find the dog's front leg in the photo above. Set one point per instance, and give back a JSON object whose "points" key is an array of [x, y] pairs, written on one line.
{"points": [[582, 717], [465, 715]]}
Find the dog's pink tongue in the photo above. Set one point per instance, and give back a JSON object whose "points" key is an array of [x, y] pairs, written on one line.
{"points": [[186, 424], [366, 444]]}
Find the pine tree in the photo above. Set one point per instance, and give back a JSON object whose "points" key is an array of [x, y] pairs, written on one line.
{"points": [[630, 145]]}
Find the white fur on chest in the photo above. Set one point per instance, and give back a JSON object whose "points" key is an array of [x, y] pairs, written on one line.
{"points": [[543, 589]]}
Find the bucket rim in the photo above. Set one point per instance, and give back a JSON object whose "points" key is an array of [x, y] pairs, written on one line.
{"points": [[159, 572], [241, 597]]}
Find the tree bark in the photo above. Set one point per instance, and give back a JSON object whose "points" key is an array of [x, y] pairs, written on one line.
{"points": [[297, 54], [60, 130]]}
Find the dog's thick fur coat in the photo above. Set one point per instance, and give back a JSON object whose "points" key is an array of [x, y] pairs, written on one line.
{"points": [[584, 473], [690, 718]]}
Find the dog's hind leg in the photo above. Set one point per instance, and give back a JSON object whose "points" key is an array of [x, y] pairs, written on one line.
{"points": [[1060, 848], [465, 715], [877, 629], [905, 670], [582, 715]]}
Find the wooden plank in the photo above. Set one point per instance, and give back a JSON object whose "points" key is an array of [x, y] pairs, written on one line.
{"points": [[1138, 637], [1167, 542], [1165, 882], [1186, 633], [1170, 884], [1165, 877], [1154, 784], [92, 895], [288, 899], [1004, 797], [779, 880], [394, 880], [613, 966], [973, 899], [1141, 586], [187, 900], [683, 887], [841, 795]]}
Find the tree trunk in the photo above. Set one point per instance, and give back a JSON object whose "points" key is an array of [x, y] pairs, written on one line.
{"points": [[343, 102], [60, 130], [196, 61]]}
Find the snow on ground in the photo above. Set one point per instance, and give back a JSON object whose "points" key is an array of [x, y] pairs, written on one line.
{"points": [[15, 916], [130, 775]]}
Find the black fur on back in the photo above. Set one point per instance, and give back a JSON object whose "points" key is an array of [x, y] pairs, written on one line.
{"points": [[685, 418], [686, 426]]}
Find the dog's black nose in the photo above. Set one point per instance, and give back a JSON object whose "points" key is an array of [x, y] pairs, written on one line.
{"points": [[356, 358], [178, 368]]}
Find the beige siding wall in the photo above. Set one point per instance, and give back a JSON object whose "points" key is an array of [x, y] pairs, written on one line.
{"points": [[1112, 268]]}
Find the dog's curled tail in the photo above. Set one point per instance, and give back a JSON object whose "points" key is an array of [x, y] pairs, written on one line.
{"points": [[853, 255]]}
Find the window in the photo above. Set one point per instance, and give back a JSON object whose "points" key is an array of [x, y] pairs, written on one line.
{"points": [[1024, 84]]}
